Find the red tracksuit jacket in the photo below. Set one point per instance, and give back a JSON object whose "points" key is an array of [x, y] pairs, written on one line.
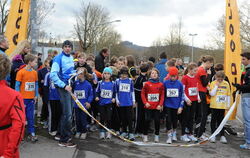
{"points": [[12, 121], [153, 93]]}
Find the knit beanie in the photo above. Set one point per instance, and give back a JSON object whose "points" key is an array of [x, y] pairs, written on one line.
{"points": [[173, 71], [108, 70]]}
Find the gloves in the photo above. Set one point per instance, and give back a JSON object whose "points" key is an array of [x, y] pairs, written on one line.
{"points": [[236, 85]]}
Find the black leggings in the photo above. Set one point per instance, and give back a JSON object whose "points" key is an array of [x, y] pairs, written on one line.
{"points": [[217, 117], [126, 118], [189, 115], [55, 114], [149, 115], [202, 116], [105, 114], [171, 122]]}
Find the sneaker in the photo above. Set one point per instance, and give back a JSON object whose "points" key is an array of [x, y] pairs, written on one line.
{"points": [[192, 138], [156, 138], [117, 133], [124, 135], [93, 128], [102, 135], [131, 137], [109, 135], [83, 136], [203, 137], [32, 138], [145, 138], [68, 144], [213, 140], [53, 133], [169, 140], [78, 134], [57, 137], [223, 140], [185, 138], [245, 146], [174, 138]]}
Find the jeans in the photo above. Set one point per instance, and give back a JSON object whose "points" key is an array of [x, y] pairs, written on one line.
{"points": [[245, 105], [66, 116]]}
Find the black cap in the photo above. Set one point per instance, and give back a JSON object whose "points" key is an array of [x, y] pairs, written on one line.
{"points": [[67, 43]]}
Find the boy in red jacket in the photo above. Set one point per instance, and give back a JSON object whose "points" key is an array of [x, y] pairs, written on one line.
{"points": [[152, 95], [12, 116]]}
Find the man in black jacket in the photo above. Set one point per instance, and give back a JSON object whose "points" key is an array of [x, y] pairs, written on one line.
{"points": [[245, 103], [99, 59]]}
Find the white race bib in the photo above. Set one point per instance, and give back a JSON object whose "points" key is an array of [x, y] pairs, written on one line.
{"points": [[153, 97], [221, 98], [80, 94], [124, 87], [106, 93], [192, 91], [29, 86], [171, 92]]}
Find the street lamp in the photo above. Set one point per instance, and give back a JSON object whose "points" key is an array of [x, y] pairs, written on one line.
{"points": [[193, 35], [109, 22]]}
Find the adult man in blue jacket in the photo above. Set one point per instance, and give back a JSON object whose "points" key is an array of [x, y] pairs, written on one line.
{"points": [[161, 66], [62, 68]]}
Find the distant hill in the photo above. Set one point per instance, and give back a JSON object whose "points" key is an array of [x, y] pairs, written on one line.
{"points": [[130, 45]]}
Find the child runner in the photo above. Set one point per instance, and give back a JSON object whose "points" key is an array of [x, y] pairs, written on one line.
{"points": [[84, 92], [203, 76], [140, 112], [27, 85], [220, 100], [105, 94], [152, 95], [191, 96], [125, 99], [173, 103], [54, 106]]}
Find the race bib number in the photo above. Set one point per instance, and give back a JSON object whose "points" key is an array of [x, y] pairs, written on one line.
{"points": [[124, 87], [192, 91], [221, 99], [80, 94], [29, 86], [106, 93], [172, 93], [153, 97]]}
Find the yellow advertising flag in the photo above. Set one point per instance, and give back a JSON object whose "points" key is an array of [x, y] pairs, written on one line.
{"points": [[17, 24], [232, 58]]}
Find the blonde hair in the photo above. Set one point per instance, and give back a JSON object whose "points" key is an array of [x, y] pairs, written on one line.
{"points": [[20, 47]]}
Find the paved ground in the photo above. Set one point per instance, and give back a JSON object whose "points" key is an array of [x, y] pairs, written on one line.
{"points": [[92, 147]]}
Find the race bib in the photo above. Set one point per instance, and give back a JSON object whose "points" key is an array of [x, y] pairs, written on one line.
{"points": [[29, 86], [192, 91], [153, 97], [106, 93], [124, 87], [80, 94], [172, 92], [221, 98]]}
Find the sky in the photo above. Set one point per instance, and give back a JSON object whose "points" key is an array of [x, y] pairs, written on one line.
{"points": [[144, 21]]}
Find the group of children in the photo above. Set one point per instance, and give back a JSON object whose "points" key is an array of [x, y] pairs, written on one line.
{"points": [[116, 96]]}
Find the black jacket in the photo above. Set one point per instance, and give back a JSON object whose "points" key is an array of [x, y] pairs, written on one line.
{"points": [[245, 88], [99, 63], [89, 69]]}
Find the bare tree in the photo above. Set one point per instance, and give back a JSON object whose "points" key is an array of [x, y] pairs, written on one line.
{"points": [[92, 25], [4, 12], [176, 40]]}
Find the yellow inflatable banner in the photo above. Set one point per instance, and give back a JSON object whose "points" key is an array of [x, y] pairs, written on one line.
{"points": [[17, 24], [232, 58]]}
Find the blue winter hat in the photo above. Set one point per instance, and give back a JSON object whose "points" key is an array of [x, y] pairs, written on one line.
{"points": [[108, 69]]}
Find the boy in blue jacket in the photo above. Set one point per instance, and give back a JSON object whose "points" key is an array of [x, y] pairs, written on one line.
{"points": [[173, 103], [125, 99], [84, 92], [105, 94]]}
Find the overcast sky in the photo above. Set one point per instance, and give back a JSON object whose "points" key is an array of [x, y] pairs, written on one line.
{"points": [[143, 21]]}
